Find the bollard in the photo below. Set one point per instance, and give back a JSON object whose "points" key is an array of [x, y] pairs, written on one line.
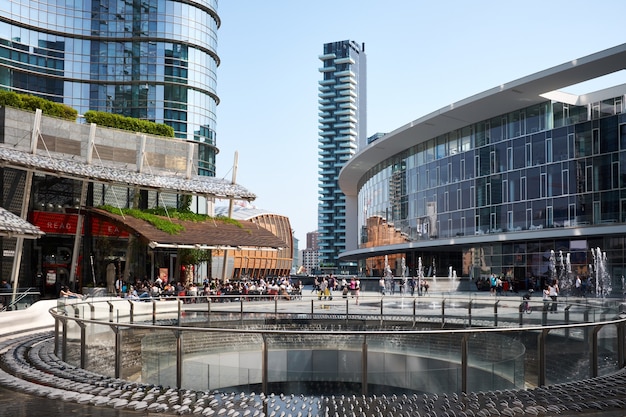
{"points": [[469, 313]]}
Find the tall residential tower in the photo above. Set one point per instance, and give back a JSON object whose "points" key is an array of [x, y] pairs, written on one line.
{"points": [[151, 59], [342, 111]]}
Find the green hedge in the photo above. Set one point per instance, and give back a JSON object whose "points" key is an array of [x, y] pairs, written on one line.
{"points": [[128, 123], [30, 102]]}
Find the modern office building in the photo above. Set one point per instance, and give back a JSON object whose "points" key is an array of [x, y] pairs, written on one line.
{"points": [[342, 130], [149, 59], [311, 254], [523, 180]]}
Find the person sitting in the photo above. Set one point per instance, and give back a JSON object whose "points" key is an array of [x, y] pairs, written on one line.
{"points": [[67, 293]]}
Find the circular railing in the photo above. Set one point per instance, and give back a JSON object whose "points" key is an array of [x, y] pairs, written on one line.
{"points": [[452, 344]]}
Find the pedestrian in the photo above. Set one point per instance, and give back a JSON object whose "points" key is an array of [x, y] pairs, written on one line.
{"points": [[381, 285], [579, 285], [553, 292]]}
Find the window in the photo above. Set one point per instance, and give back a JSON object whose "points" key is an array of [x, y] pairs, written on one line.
{"points": [[463, 166], [549, 150], [549, 216], [565, 181], [505, 191], [529, 155], [509, 158], [595, 138]]}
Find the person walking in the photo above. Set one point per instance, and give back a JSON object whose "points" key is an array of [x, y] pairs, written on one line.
{"points": [[553, 292]]}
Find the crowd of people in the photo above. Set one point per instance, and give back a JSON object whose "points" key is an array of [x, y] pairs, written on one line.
{"points": [[215, 290], [326, 285]]}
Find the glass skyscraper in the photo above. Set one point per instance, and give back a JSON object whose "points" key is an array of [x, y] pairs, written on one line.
{"points": [[151, 59], [342, 118]]}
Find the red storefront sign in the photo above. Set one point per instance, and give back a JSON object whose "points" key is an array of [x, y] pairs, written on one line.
{"points": [[65, 224]]}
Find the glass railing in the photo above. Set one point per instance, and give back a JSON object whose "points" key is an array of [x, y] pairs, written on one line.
{"points": [[383, 344]]}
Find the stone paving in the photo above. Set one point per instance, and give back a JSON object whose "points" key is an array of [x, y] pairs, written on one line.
{"points": [[29, 365]]}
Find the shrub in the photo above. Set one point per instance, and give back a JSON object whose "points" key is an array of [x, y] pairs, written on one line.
{"points": [[30, 102], [128, 123]]}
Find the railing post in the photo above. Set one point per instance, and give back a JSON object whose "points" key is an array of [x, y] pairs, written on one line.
{"points": [[83, 343], [118, 350], [544, 313], [110, 311], [264, 365], [443, 312], [541, 351], [469, 313], [312, 309], [381, 311], [347, 310], [241, 310], [93, 311], [594, 351], [464, 361], [56, 335], [64, 342], [132, 311], [364, 389], [154, 309], [414, 311], [521, 314], [566, 316], [621, 355], [276, 308], [179, 358], [209, 302], [495, 313], [180, 312]]}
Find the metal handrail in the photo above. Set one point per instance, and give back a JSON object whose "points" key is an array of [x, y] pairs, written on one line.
{"points": [[171, 315], [20, 295]]}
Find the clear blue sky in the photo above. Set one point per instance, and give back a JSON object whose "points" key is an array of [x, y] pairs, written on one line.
{"points": [[421, 56]]}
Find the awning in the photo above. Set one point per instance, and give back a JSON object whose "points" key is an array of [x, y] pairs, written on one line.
{"points": [[14, 226], [207, 235], [109, 173]]}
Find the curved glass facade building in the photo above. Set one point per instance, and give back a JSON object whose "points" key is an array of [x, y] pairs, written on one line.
{"points": [[150, 59], [512, 181]]}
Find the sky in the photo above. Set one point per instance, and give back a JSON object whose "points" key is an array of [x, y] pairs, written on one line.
{"points": [[421, 56]]}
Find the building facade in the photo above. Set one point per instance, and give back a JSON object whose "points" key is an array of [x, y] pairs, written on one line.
{"points": [[311, 254], [257, 262], [342, 118], [149, 59], [523, 180]]}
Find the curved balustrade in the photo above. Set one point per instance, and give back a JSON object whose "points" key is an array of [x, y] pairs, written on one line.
{"points": [[427, 344]]}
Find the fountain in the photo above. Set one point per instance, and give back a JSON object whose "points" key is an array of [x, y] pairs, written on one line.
{"points": [[420, 275], [388, 276], [404, 279], [551, 268], [602, 278]]}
